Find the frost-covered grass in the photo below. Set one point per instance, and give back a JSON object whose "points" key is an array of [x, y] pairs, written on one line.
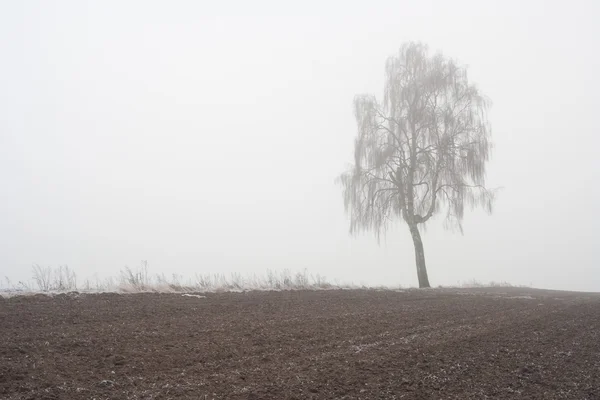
{"points": [[63, 279]]}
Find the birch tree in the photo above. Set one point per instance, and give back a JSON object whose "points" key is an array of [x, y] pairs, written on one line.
{"points": [[421, 152]]}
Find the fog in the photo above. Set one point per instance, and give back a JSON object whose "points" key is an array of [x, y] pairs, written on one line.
{"points": [[207, 137]]}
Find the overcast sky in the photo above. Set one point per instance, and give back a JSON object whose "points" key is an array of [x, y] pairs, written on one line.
{"points": [[206, 136]]}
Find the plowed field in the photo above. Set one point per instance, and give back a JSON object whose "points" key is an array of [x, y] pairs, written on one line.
{"points": [[344, 344]]}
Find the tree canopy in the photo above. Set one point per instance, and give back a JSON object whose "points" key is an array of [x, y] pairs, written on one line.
{"points": [[420, 152]]}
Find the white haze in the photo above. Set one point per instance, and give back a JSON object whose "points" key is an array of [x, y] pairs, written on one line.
{"points": [[206, 136]]}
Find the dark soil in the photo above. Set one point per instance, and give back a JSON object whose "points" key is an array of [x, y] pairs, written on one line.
{"points": [[430, 344]]}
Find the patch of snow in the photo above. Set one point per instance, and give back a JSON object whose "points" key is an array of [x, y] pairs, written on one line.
{"points": [[193, 295]]}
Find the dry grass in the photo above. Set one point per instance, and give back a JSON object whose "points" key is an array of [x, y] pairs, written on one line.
{"points": [[136, 280]]}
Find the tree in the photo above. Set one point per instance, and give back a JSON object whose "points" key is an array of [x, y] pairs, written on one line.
{"points": [[421, 152]]}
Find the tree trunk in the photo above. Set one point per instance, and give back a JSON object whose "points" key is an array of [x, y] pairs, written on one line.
{"points": [[419, 256]]}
